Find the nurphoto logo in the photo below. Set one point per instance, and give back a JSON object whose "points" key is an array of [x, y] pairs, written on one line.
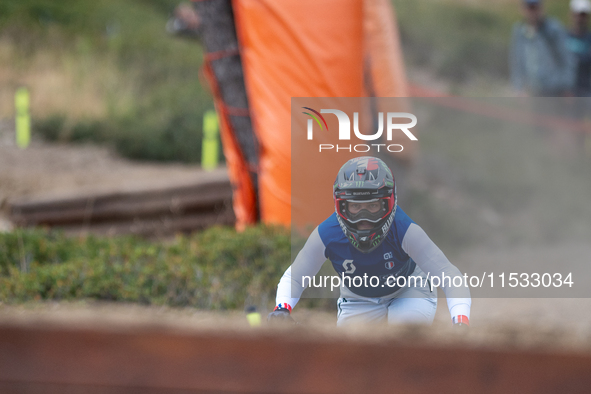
{"points": [[393, 124]]}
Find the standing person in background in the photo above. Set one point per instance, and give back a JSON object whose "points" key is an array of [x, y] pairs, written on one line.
{"points": [[579, 43], [540, 63], [185, 21]]}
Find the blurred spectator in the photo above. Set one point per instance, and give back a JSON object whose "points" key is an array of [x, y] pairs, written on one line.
{"points": [[540, 63], [185, 21], [579, 43]]}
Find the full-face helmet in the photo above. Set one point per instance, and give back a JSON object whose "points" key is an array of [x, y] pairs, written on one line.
{"points": [[365, 201]]}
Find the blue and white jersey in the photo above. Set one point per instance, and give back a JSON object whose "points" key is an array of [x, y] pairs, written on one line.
{"points": [[405, 247], [388, 260]]}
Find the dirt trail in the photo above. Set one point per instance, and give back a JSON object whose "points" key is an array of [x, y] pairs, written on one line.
{"points": [[496, 323], [58, 169]]}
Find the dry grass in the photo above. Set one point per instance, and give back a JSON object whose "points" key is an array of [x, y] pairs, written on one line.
{"points": [[64, 83]]}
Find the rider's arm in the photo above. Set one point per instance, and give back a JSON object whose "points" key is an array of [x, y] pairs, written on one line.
{"points": [[307, 263], [431, 260]]}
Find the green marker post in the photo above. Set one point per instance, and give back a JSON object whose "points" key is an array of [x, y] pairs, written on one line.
{"points": [[22, 119], [210, 144]]}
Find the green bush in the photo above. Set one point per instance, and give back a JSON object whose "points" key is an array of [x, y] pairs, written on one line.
{"points": [[216, 269], [176, 137], [51, 128]]}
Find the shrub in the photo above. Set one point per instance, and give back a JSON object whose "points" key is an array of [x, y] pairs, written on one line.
{"points": [[216, 269], [50, 128]]}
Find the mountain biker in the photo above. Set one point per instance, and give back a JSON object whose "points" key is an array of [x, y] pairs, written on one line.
{"points": [[369, 235]]}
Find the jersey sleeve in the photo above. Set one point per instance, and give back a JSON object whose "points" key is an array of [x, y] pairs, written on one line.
{"points": [[432, 261], [307, 263]]}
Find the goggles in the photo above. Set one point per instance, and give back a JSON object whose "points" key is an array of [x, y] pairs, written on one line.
{"points": [[370, 210]]}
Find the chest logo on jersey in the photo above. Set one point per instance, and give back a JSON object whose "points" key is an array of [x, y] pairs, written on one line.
{"points": [[349, 266], [390, 265], [388, 256]]}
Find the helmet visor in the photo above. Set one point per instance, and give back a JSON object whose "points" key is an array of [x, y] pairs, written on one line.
{"points": [[369, 210]]}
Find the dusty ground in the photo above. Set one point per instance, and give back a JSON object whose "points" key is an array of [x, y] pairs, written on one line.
{"points": [[562, 330]]}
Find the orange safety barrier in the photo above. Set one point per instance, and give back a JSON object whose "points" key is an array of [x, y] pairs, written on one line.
{"points": [[294, 48]]}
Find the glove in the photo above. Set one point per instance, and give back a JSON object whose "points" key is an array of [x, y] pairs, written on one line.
{"points": [[281, 314], [461, 323]]}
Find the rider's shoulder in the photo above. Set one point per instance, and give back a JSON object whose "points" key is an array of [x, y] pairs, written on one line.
{"points": [[401, 216], [402, 222], [330, 229]]}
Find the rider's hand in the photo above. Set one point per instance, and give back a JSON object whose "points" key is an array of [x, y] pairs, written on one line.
{"points": [[461, 323], [280, 314]]}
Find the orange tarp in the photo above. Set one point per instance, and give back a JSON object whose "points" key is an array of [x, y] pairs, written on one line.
{"points": [[308, 48], [294, 48]]}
